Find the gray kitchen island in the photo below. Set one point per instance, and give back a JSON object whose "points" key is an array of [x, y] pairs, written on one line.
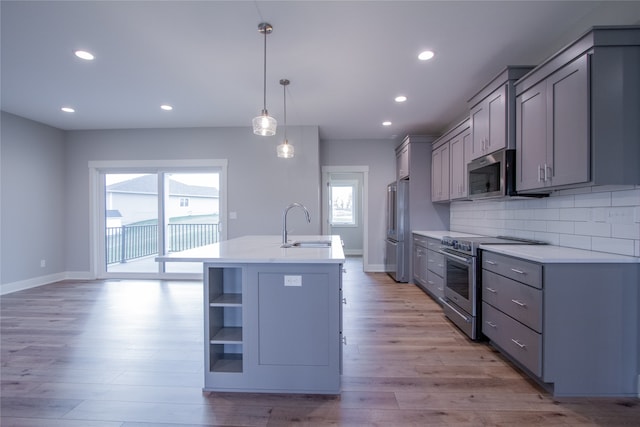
{"points": [[272, 314]]}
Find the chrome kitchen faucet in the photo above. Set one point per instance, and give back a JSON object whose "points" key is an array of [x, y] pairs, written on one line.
{"points": [[284, 219]]}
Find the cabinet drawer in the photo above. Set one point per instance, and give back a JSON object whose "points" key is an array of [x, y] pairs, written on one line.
{"points": [[519, 301], [433, 244], [420, 241], [435, 262], [520, 342], [435, 284], [514, 268]]}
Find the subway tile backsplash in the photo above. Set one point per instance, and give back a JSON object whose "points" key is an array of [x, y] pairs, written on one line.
{"points": [[605, 219]]}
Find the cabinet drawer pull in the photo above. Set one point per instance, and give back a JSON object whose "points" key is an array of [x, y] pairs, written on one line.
{"points": [[520, 303], [491, 262], [440, 288], [493, 291], [493, 325], [518, 271], [518, 343], [430, 282]]}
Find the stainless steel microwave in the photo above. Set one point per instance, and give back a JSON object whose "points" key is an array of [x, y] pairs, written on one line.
{"points": [[493, 175]]}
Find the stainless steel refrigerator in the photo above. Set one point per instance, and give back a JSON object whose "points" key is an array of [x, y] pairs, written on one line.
{"points": [[396, 256]]}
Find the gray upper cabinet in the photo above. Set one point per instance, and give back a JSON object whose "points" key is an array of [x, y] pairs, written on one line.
{"points": [[440, 173], [402, 160], [492, 115], [449, 160], [489, 124], [552, 119], [577, 114], [460, 152]]}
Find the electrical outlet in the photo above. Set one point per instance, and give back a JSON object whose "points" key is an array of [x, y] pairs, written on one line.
{"points": [[43, 263], [293, 280]]}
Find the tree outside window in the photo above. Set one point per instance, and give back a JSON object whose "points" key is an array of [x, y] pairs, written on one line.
{"points": [[343, 203]]}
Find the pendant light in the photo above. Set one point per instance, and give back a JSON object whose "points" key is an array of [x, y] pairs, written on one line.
{"points": [[264, 124], [285, 150]]}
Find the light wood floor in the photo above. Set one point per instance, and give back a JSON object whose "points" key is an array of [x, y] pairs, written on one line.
{"points": [[128, 353]]}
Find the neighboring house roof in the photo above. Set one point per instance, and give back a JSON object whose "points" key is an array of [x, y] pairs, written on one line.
{"points": [[148, 184], [113, 213]]}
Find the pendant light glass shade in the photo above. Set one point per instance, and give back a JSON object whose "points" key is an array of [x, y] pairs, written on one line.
{"points": [[264, 124], [285, 150]]}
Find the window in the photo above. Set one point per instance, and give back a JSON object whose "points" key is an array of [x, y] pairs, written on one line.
{"points": [[143, 209], [344, 196]]}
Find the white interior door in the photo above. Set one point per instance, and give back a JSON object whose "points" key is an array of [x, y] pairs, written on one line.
{"points": [[344, 198]]}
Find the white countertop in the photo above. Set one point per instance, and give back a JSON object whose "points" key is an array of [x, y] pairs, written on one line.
{"points": [[557, 254], [262, 249], [439, 234]]}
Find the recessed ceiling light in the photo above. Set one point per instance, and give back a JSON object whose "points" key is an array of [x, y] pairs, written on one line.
{"points": [[426, 55], [83, 54], [166, 107], [387, 123], [68, 110], [401, 98]]}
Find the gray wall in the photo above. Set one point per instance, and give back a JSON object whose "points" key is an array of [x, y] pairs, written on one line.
{"points": [[45, 187], [380, 156], [32, 189], [259, 184]]}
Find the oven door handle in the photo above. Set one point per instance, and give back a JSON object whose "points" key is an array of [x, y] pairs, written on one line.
{"points": [[465, 317], [456, 257]]}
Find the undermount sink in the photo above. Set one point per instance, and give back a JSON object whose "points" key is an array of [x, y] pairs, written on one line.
{"points": [[308, 244]]}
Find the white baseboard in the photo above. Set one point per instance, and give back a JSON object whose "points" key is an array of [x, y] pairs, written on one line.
{"points": [[353, 252], [21, 285], [375, 268]]}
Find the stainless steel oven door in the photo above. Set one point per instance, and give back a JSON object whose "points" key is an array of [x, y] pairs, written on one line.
{"points": [[460, 280]]}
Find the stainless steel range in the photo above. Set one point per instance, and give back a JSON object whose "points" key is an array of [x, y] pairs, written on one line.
{"points": [[462, 278]]}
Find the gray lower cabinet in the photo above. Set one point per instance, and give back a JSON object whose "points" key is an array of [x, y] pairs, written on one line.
{"points": [[573, 327], [428, 266], [419, 260], [273, 328]]}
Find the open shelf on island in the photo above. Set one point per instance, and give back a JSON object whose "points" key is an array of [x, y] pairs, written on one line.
{"points": [[227, 335], [226, 300]]}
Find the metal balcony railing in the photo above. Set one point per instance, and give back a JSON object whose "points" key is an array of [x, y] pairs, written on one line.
{"points": [[136, 241]]}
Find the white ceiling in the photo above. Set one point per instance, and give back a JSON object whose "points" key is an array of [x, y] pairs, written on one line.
{"points": [[346, 60]]}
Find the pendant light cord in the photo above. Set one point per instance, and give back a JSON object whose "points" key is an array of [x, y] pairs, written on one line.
{"points": [[264, 73], [284, 91]]}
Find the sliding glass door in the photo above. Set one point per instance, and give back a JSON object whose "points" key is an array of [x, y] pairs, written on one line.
{"points": [[144, 214]]}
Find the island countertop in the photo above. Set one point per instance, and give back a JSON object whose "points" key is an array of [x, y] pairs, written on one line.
{"points": [[262, 249]]}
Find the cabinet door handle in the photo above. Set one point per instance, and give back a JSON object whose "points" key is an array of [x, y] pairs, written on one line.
{"points": [[547, 172], [440, 288], [493, 325], [491, 262], [430, 282], [344, 301], [344, 340], [520, 303], [518, 343], [540, 173], [493, 291], [518, 271]]}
